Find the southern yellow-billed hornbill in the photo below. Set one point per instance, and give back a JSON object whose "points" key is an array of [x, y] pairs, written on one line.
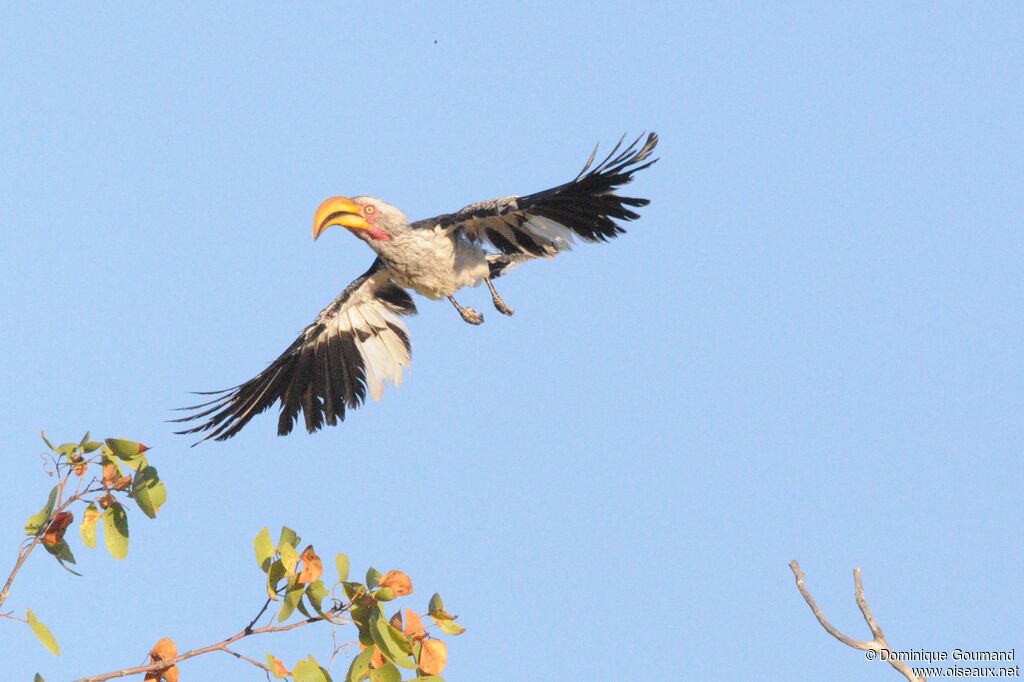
{"points": [[359, 341]]}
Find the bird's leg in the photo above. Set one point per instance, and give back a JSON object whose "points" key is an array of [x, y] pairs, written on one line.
{"points": [[499, 302], [468, 314]]}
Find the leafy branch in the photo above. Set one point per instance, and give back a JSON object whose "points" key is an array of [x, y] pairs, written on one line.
{"points": [[101, 490], [102, 475], [295, 580]]}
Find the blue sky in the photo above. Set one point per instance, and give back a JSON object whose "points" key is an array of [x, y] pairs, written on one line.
{"points": [[808, 348]]}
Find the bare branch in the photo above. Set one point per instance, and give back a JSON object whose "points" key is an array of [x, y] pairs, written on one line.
{"points": [[222, 645], [876, 644], [243, 657]]}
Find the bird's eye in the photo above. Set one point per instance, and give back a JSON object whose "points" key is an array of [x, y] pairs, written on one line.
{"points": [[368, 210]]}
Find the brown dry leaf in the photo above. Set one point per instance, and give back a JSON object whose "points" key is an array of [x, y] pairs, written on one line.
{"points": [[109, 475], [378, 660], [164, 650], [433, 656], [312, 567], [152, 676], [80, 465], [396, 620], [122, 483], [55, 531], [414, 629], [277, 667], [398, 582], [106, 501]]}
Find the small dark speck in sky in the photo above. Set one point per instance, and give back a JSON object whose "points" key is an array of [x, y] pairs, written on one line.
{"points": [[435, 42]]}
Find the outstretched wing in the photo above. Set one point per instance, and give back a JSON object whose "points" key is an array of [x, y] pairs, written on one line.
{"points": [[357, 342], [541, 225]]}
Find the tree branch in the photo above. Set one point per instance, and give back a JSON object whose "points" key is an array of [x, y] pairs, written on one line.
{"points": [[25, 550], [219, 646], [877, 644]]}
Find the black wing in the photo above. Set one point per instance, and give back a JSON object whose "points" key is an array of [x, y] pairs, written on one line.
{"points": [[541, 225], [356, 343]]}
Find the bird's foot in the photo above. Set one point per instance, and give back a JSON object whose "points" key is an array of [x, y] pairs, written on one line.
{"points": [[471, 316], [499, 302], [503, 307], [468, 314]]}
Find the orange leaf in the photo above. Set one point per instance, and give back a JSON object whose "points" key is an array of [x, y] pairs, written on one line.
{"points": [[312, 567], [106, 501], [378, 660], [122, 483], [277, 667], [414, 629], [80, 465], [398, 582], [55, 531], [433, 656], [171, 674], [163, 650], [109, 475]]}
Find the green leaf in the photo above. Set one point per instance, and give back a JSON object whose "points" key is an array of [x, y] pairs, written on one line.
{"points": [[87, 529], [289, 557], [341, 562], [67, 449], [389, 673], [91, 446], [360, 668], [353, 590], [308, 670], [43, 633], [62, 551], [149, 491], [392, 643], [135, 463], [384, 594], [47, 441], [125, 449], [436, 604], [115, 530], [272, 663], [316, 592], [291, 600], [264, 550], [289, 536], [274, 576], [37, 522], [38, 678], [449, 626], [372, 578]]}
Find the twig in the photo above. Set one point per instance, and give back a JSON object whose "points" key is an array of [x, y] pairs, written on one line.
{"points": [[877, 644], [245, 658], [248, 628], [26, 549], [219, 646]]}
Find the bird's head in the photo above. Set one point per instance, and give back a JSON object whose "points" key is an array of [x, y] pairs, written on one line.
{"points": [[368, 218]]}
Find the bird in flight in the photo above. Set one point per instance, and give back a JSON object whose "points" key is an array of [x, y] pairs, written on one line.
{"points": [[359, 342]]}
